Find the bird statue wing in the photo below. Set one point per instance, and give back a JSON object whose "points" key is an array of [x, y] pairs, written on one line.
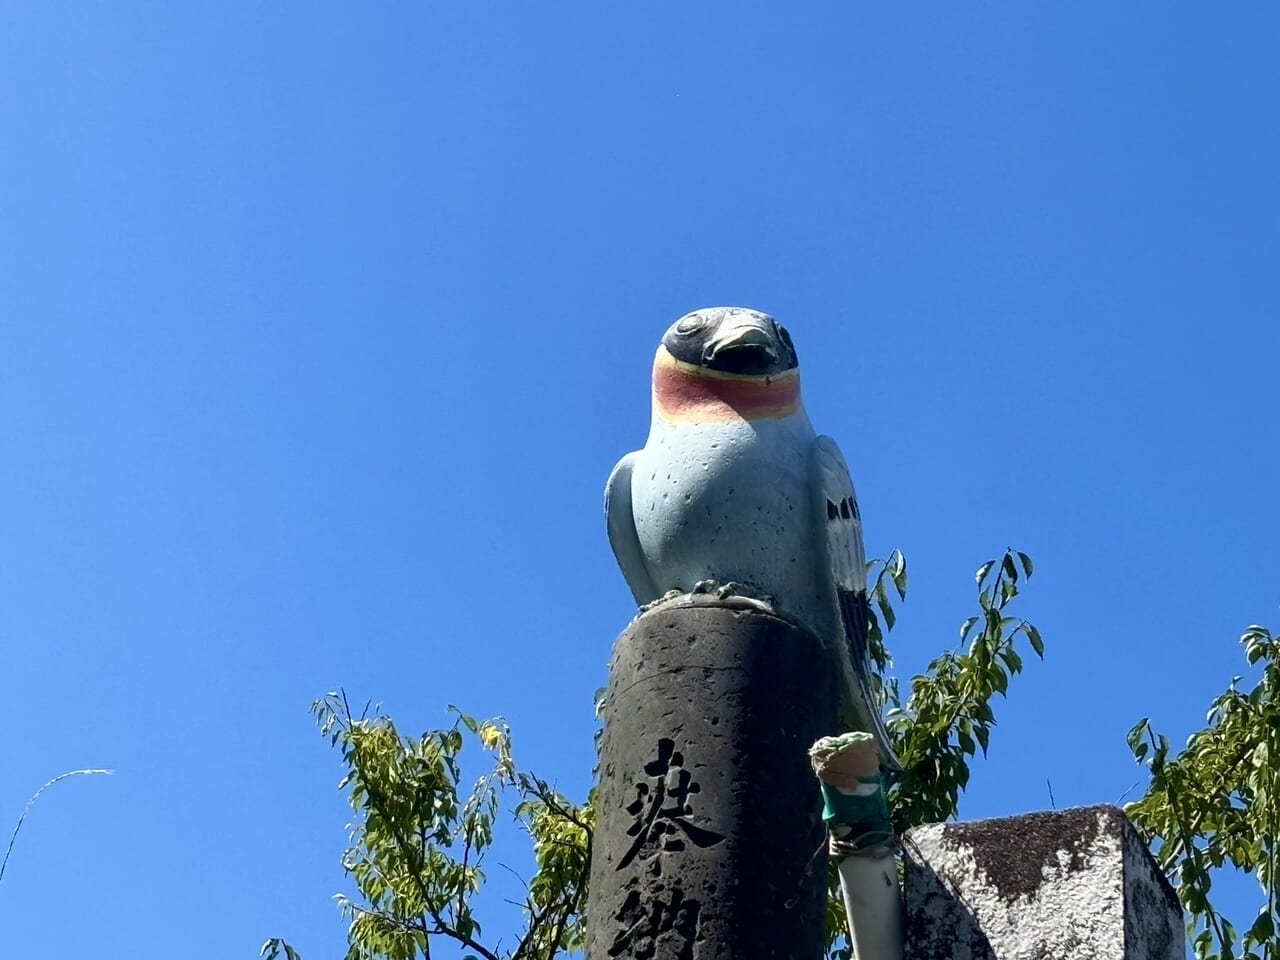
{"points": [[840, 541], [622, 532]]}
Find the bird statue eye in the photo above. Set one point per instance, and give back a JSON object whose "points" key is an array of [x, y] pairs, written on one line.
{"points": [[690, 323]]}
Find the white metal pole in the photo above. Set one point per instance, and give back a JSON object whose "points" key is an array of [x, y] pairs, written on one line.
{"points": [[848, 768]]}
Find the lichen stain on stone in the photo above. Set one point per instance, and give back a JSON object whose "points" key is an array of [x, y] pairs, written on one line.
{"points": [[1048, 886], [1014, 861]]}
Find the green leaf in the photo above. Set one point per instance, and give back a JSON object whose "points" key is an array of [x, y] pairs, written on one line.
{"points": [[983, 571], [1010, 570], [993, 623], [886, 611], [1026, 564], [899, 574], [1033, 636], [1228, 933], [271, 950], [983, 733], [1263, 928], [999, 680]]}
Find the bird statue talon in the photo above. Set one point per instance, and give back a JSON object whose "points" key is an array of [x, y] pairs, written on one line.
{"points": [[664, 599]]}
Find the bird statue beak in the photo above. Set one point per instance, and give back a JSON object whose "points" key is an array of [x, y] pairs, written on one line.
{"points": [[744, 343]]}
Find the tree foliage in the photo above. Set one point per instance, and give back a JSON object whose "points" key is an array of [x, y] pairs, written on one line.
{"points": [[418, 845], [948, 716], [1217, 803]]}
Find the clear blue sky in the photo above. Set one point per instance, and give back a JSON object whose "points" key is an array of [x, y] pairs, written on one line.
{"points": [[321, 326]]}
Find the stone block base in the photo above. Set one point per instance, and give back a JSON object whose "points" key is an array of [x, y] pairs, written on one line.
{"points": [[1063, 885]]}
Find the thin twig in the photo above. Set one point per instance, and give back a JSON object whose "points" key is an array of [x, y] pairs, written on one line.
{"points": [[550, 799], [1120, 798], [36, 796], [462, 938], [514, 874]]}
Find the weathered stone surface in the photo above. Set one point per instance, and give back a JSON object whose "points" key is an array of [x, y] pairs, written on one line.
{"points": [[709, 841], [1045, 886]]}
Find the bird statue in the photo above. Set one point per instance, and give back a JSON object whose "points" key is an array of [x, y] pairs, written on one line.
{"points": [[735, 489]]}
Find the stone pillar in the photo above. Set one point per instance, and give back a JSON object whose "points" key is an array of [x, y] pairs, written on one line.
{"points": [[709, 841], [1046, 886]]}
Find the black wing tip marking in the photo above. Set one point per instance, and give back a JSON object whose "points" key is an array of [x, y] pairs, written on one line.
{"points": [[855, 611], [846, 509]]}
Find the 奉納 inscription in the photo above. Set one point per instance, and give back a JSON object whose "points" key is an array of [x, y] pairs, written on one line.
{"points": [[663, 806]]}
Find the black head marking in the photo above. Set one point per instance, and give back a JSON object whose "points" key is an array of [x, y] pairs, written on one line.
{"points": [[732, 340]]}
